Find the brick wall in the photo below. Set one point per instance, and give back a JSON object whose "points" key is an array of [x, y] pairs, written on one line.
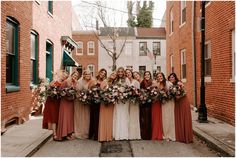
{"points": [[85, 59], [220, 94], [16, 104]]}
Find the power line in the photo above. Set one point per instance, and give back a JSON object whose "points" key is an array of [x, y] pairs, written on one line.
{"points": [[122, 11]]}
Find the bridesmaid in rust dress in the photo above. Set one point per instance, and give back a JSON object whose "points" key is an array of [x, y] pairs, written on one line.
{"points": [[157, 129], [51, 110], [183, 118], [145, 110], [95, 107], [105, 129], [66, 112]]}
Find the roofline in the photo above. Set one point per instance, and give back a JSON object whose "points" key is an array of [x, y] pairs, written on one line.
{"points": [[148, 37], [84, 32]]}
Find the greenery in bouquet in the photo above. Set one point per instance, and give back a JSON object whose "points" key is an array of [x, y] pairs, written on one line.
{"points": [[94, 95], [83, 97], [144, 96], [163, 96], [154, 93], [53, 90], [109, 95], [133, 94]]}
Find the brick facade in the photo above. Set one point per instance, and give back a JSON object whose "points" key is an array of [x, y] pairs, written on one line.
{"points": [[85, 59], [220, 94], [32, 16]]}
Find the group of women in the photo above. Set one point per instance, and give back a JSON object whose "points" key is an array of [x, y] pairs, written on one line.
{"points": [[71, 119]]}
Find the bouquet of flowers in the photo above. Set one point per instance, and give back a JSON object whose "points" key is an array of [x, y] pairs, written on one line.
{"points": [[133, 94], [83, 97], [144, 96], [154, 93], [69, 93], [163, 96], [109, 95], [53, 90], [94, 94], [123, 93], [180, 92]]}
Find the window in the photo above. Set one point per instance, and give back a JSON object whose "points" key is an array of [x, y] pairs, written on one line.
{"points": [[156, 47], [183, 64], [142, 69], [50, 6], [129, 67], [233, 55], [207, 59], [183, 11], [34, 57], [49, 62], [80, 48], [128, 48], [171, 63], [171, 21], [91, 69], [91, 50], [142, 48], [158, 68], [12, 54]]}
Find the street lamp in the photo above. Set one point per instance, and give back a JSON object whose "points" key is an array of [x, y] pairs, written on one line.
{"points": [[155, 63], [202, 110]]}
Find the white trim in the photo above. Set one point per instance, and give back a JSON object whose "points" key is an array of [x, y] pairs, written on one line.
{"points": [[171, 19], [182, 24], [181, 9], [232, 80], [93, 48], [183, 61], [38, 2], [207, 79], [50, 14], [78, 43]]}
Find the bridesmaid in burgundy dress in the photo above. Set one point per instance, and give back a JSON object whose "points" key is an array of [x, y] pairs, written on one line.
{"points": [[157, 129], [66, 112], [51, 110], [183, 118], [145, 110], [95, 107]]}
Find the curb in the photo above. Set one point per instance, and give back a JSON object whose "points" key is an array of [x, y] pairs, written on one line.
{"points": [[34, 147], [214, 143]]}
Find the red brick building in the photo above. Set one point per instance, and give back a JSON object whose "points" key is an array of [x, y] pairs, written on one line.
{"points": [[87, 51], [183, 39], [34, 38]]}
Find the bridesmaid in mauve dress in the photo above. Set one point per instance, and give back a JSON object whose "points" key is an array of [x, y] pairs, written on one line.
{"points": [[168, 110], [51, 110], [145, 110], [66, 112], [106, 115], [95, 107], [157, 129], [183, 118], [82, 111]]}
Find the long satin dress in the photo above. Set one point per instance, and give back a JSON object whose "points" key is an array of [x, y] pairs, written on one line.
{"points": [[81, 114]]}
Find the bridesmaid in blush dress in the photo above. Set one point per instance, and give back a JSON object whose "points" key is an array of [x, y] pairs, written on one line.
{"points": [[106, 114], [95, 107], [183, 118], [157, 129], [82, 111], [66, 112], [134, 125], [168, 110], [145, 110], [51, 110]]}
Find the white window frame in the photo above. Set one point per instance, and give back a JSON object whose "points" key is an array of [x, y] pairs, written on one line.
{"points": [[82, 47], [93, 67], [183, 62], [129, 48], [93, 48], [233, 55], [171, 19], [208, 44], [183, 6]]}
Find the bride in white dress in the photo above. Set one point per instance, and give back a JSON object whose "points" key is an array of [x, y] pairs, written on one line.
{"points": [[121, 112], [134, 125]]}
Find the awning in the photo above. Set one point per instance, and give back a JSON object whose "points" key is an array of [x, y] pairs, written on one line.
{"points": [[68, 60]]}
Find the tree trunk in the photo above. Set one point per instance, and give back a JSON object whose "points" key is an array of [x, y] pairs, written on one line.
{"points": [[114, 62]]}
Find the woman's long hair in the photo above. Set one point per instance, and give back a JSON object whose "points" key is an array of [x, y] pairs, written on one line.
{"points": [[146, 83], [175, 76]]}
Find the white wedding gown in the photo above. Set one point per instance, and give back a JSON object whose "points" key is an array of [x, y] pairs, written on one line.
{"points": [[121, 120], [134, 125]]}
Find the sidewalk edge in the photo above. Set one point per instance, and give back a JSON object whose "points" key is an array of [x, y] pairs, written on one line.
{"points": [[213, 142]]}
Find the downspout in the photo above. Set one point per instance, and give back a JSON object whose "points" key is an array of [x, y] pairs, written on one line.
{"points": [[194, 57]]}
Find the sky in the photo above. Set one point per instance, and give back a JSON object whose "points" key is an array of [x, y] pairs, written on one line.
{"points": [[86, 12]]}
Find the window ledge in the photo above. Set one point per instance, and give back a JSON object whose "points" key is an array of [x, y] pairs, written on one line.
{"points": [[91, 54], [12, 88], [184, 80], [49, 13], [232, 80], [182, 24], [171, 34], [78, 54]]}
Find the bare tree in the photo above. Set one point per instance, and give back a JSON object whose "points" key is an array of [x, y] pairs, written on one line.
{"points": [[113, 34]]}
